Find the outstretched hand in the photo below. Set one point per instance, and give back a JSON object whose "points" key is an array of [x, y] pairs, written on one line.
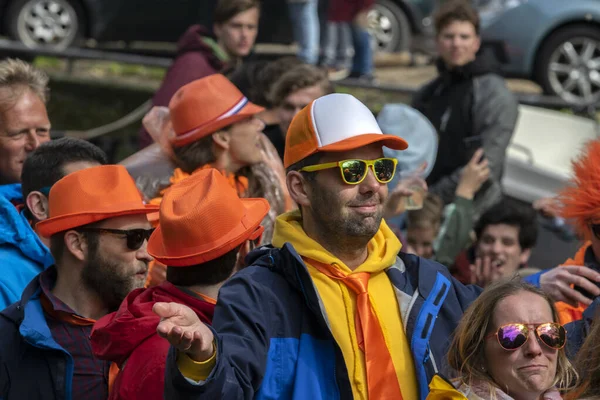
{"points": [[184, 330]]}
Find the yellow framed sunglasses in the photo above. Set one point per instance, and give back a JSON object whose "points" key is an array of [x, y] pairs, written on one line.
{"points": [[355, 171]]}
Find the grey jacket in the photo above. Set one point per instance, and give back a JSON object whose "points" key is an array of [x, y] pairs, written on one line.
{"points": [[494, 117]]}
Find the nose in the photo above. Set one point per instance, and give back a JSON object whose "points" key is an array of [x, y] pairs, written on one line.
{"points": [[246, 31], [33, 141], [532, 348], [370, 184], [497, 247], [142, 253]]}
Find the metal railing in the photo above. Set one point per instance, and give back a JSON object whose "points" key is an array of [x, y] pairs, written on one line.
{"points": [[18, 49]]}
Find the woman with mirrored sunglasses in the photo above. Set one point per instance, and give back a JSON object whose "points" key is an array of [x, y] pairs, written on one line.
{"points": [[509, 345]]}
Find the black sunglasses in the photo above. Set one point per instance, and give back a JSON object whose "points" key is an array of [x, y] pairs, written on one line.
{"points": [[135, 237]]}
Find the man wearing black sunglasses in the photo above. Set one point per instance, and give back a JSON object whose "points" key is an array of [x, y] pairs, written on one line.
{"points": [[98, 233]]}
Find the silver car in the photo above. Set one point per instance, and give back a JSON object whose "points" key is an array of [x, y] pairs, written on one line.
{"points": [[555, 43]]}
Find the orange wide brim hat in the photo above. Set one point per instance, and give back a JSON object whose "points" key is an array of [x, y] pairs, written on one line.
{"points": [[92, 195], [206, 106], [202, 218]]}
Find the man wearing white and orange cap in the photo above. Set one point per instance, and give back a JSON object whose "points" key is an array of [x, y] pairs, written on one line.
{"points": [[198, 262], [333, 310], [98, 233]]}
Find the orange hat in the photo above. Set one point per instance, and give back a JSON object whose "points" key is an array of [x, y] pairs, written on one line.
{"points": [[206, 105], [91, 195], [336, 122], [202, 218]]}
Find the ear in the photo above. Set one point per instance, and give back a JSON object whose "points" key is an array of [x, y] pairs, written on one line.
{"points": [[76, 244], [477, 43], [222, 139], [37, 204], [524, 258], [299, 188]]}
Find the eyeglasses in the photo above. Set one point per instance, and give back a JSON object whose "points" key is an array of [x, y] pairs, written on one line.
{"points": [[512, 336], [135, 237], [355, 171]]}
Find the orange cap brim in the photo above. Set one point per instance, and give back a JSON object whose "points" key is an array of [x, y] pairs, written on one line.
{"points": [[355, 142]]}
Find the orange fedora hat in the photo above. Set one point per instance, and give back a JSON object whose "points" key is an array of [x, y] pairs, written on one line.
{"points": [[92, 195], [202, 218], [204, 106]]}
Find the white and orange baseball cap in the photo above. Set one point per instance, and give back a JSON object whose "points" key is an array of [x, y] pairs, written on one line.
{"points": [[334, 123]]}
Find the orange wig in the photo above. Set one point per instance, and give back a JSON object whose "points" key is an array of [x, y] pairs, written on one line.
{"points": [[581, 200]]}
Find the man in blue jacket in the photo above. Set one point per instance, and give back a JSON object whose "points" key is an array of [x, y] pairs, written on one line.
{"points": [[331, 311], [24, 125], [23, 253], [98, 233]]}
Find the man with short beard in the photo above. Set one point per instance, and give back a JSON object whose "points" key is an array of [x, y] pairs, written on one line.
{"points": [[333, 310], [98, 233]]}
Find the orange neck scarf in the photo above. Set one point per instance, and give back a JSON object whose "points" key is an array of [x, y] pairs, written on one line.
{"points": [[382, 382]]}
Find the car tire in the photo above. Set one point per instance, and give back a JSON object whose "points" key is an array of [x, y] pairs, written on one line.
{"points": [[552, 81], [64, 26], [393, 38]]}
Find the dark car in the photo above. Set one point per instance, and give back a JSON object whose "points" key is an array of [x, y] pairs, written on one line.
{"points": [[61, 23]]}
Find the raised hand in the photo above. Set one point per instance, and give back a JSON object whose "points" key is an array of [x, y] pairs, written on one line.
{"points": [[474, 174]]}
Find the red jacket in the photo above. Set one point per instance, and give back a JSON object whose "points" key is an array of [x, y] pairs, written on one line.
{"points": [[128, 337], [197, 57]]}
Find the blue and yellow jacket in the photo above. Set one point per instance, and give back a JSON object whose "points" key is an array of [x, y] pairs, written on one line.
{"points": [[274, 341]]}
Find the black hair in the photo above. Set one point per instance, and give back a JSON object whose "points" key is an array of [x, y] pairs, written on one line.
{"points": [[510, 213], [44, 167], [209, 273], [305, 162]]}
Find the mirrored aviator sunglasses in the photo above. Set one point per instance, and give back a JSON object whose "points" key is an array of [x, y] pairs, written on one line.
{"points": [[512, 336], [135, 237]]}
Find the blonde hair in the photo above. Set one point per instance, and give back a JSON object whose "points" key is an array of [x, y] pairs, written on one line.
{"points": [[466, 354], [430, 215], [18, 76], [588, 364]]}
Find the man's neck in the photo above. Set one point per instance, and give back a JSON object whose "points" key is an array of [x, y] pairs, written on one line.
{"points": [[71, 291], [232, 59], [211, 291], [352, 252]]}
